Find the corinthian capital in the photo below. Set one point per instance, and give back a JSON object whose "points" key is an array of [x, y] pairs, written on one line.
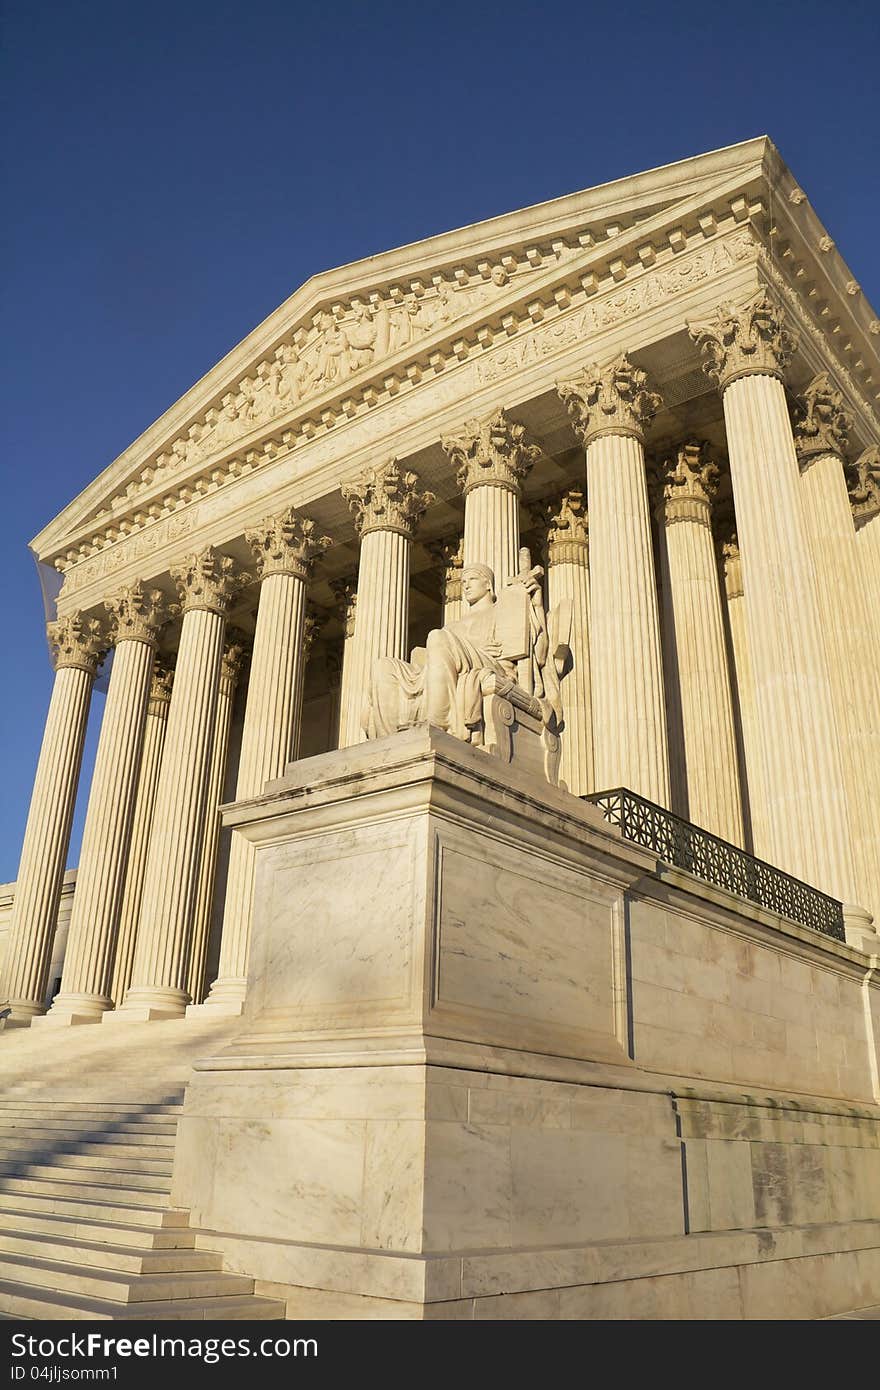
{"points": [[77, 641], [161, 682], [386, 498], [744, 340], [315, 620], [610, 400], [568, 529], [137, 614], [822, 424], [492, 452], [732, 561], [449, 555], [345, 591], [286, 544], [864, 485], [208, 580], [689, 483], [235, 654]]}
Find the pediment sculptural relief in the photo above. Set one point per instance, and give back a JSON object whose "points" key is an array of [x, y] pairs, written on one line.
{"points": [[340, 343]]}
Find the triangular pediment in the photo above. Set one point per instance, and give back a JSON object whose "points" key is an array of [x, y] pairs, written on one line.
{"points": [[349, 335]]}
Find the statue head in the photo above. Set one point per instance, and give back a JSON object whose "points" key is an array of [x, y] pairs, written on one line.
{"points": [[476, 582]]}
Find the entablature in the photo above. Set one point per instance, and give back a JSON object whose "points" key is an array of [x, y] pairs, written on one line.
{"points": [[488, 328]]}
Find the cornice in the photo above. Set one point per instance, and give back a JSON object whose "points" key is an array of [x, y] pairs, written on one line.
{"points": [[584, 293], [602, 206], [533, 296]]}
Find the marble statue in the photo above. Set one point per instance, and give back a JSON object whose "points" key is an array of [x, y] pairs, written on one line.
{"points": [[504, 646]]}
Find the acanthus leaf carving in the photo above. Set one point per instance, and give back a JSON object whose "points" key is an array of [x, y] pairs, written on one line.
{"points": [[137, 614], [568, 528], [613, 399], [822, 423], [688, 484], [161, 681], [236, 650], [208, 580], [492, 452], [286, 544], [744, 339], [77, 641], [386, 498], [345, 593], [863, 481]]}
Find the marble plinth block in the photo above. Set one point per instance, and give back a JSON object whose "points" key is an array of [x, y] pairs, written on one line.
{"points": [[496, 1062]]}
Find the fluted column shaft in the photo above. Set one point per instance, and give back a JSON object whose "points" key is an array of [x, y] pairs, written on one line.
{"points": [[266, 747], [610, 406], [448, 554], [382, 619], [492, 457], [745, 704], [698, 677], [807, 814], [387, 503], [491, 531], [155, 725], [88, 959], [161, 961], [285, 547], [203, 914], [853, 666], [568, 581], [347, 732], [629, 714], [46, 841], [162, 951], [868, 552]]}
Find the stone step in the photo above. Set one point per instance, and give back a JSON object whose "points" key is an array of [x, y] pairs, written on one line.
{"points": [[65, 1171], [16, 1301], [136, 1190], [86, 1144], [140, 1211], [25, 1155], [62, 1277], [154, 1129], [106, 1257], [127, 1233], [77, 1114]]}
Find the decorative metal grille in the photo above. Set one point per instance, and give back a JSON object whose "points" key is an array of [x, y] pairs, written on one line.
{"points": [[686, 846]]}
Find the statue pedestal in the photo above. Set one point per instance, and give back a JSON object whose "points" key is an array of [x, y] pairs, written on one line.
{"points": [[432, 1109]]}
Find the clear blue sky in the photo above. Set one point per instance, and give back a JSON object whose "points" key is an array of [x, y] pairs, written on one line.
{"points": [[174, 171]]}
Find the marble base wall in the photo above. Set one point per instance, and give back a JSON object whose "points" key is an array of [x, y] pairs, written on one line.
{"points": [[494, 1064], [432, 1192]]}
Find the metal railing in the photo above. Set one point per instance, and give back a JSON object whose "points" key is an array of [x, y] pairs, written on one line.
{"points": [[685, 846]]}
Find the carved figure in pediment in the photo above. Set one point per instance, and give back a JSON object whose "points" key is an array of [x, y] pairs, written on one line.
{"points": [[498, 664], [361, 334], [227, 428], [296, 375], [334, 351]]}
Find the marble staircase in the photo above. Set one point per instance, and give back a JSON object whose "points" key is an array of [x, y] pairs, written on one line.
{"points": [[87, 1225]]}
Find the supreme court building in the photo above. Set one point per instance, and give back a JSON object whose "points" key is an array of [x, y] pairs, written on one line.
{"points": [[613, 941]]}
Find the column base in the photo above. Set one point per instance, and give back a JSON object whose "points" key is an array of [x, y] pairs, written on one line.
{"points": [[860, 929], [147, 1005], [216, 1008], [70, 1010], [23, 1014], [226, 1000]]}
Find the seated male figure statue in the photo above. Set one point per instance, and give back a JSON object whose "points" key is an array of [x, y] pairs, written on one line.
{"points": [[446, 681]]}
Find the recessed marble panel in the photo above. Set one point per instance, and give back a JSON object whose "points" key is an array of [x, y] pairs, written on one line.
{"points": [[524, 939]]}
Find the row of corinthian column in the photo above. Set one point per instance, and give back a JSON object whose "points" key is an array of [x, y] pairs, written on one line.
{"points": [[755, 714]]}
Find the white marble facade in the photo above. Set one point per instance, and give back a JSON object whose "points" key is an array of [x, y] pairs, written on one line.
{"points": [[641, 383]]}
